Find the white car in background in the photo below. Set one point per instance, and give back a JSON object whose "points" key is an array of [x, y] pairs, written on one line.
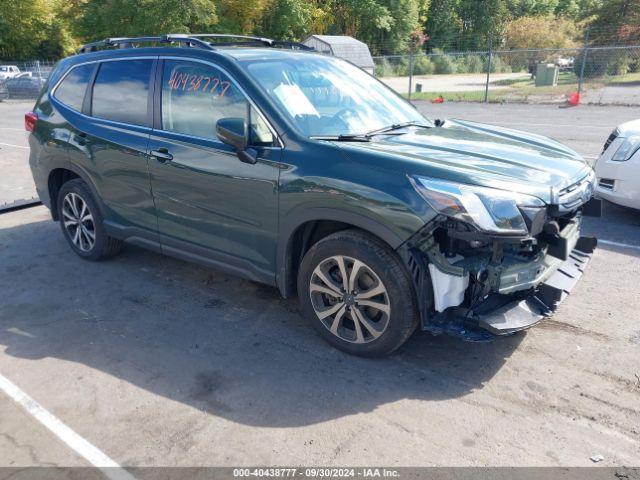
{"points": [[8, 71], [618, 168]]}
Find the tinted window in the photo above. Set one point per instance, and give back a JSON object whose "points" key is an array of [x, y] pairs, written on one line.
{"points": [[196, 96], [71, 90], [120, 92]]}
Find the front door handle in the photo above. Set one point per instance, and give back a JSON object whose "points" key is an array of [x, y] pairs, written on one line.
{"points": [[162, 155]]}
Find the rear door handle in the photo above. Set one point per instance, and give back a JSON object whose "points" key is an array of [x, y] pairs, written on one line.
{"points": [[162, 155]]}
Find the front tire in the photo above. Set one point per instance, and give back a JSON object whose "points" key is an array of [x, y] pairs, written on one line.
{"points": [[82, 223], [357, 294]]}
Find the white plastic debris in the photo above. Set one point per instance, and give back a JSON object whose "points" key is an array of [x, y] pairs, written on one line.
{"points": [[448, 290], [596, 458]]}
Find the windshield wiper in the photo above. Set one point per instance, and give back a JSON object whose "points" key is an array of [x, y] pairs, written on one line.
{"points": [[396, 126], [343, 138], [366, 137]]}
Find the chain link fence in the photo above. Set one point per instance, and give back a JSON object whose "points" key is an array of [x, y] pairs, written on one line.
{"points": [[23, 80], [603, 75]]}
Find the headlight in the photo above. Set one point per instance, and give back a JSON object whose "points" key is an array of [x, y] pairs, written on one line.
{"points": [[627, 150], [490, 210]]}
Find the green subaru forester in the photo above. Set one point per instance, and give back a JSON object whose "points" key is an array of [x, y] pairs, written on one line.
{"points": [[301, 171]]}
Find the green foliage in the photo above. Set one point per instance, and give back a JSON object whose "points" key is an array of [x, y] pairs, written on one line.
{"points": [[53, 28], [443, 24], [384, 68], [526, 8], [616, 20], [444, 64], [473, 63], [98, 19], [402, 67], [499, 66], [541, 32], [619, 66], [423, 66], [385, 25], [288, 19], [28, 29]]}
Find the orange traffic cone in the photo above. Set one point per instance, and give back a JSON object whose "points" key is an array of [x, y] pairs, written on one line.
{"points": [[439, 99], [574, 99]]}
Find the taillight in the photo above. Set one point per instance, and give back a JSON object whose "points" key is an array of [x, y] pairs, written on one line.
{"points": [[30, 119]]}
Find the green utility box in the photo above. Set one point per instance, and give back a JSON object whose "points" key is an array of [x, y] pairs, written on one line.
{"points": [[547, 75]]}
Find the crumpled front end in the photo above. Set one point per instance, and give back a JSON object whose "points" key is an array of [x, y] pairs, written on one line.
{"points": [[477, 285]]}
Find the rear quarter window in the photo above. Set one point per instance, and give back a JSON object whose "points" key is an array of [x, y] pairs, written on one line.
{"points": [[121, 91], [72, 89]]}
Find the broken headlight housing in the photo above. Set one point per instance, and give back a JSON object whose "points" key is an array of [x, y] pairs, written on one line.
{"points": [[488, 209], [627, 150]]}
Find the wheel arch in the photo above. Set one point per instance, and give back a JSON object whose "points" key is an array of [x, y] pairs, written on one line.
{"points": [[298, 234], [60, 175]]}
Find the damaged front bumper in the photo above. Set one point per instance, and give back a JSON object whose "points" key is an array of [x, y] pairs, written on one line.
{"points": [[502, 315], [505, 287]]}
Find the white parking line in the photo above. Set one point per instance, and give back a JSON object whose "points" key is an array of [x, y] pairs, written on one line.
{"points": [[15, 146], [618, 244], [81, 446]]}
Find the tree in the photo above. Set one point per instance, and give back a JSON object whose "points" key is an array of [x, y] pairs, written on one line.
{"points": [[98, 19], [30, 30], [405, 16], [241, 16], [363, 19], [288, 19], [616, 21], [528, 8], [541, 32], [481, 20], [443, 24]]}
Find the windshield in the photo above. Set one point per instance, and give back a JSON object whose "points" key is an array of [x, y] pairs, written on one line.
{"points": [[325, 96]]}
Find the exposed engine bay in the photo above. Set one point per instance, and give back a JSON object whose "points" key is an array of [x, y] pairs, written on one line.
{"points": [[477, 285]]}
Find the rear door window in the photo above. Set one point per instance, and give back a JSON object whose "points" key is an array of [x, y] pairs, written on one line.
{"points": [[121, 91], [72, 89]]}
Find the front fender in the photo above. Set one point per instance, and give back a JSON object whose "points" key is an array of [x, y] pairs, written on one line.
{"points": [[296, 220]]}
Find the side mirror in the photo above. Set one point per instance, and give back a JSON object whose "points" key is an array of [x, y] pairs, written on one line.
{"points": [[232, 131]]}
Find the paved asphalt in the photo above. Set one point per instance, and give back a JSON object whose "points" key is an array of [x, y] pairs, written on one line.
{"points": [[156, 362]]}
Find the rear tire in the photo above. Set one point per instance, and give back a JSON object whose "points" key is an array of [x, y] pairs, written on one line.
{"points": [[82, 222], [369, 313]]}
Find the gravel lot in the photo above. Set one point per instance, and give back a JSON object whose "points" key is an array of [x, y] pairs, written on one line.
{"points": [[158, 362]]}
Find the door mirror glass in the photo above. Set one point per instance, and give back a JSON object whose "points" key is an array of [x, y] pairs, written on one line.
{"points": [[232, 131]]}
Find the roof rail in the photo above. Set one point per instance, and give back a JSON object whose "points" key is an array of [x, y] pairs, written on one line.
{"points": [[128, 42], [192, 40]]}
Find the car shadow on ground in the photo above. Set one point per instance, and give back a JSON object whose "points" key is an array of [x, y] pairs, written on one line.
{"points": [[227, 346]]}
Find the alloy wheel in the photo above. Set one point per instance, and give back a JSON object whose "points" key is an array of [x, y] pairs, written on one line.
{"points": [[349, 299], [78, 222]]}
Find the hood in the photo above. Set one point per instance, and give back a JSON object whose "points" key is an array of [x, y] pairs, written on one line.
{"points": [[485, 155]]}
